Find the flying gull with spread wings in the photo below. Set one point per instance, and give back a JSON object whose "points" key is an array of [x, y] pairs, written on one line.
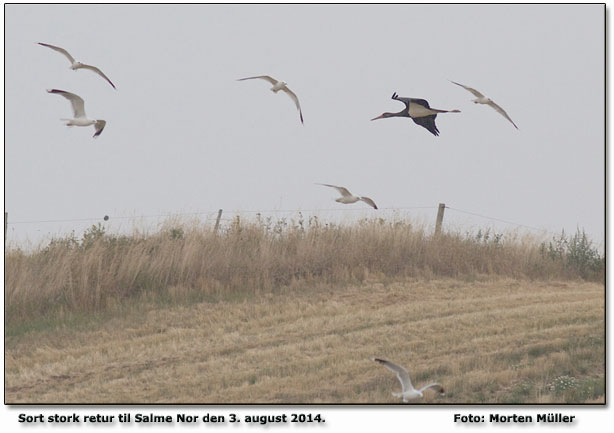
{"points": [[277, 86], [481, 99], [408, 392], [347, 197], [78, 108], [74, 65]]}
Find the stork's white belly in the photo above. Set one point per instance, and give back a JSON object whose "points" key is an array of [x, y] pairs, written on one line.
{"points": [[417, 110]]}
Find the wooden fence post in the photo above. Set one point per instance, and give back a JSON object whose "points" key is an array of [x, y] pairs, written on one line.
{"points": [[217, 221], [439, 221]]}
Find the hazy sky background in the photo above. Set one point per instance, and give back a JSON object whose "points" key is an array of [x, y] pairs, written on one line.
{"points": [[184, 136]]}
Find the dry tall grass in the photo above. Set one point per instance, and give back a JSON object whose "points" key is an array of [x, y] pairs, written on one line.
{"points": [[187, 260]]}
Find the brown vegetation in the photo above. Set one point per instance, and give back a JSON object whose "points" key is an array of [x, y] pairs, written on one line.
{"points": [[190, 261], [291, 312]]}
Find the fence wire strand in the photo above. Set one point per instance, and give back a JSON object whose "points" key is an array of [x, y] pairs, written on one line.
{"points": [[211, 214], [496, 219], [174, 215]]}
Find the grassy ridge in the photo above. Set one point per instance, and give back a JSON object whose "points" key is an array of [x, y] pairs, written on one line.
{"points": [[183, 261]]}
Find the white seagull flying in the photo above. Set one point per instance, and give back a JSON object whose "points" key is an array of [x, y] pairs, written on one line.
{"points": [[74, 65], [78, 108], [347, 197], [408, 392], [481, 99], [277, 86]]}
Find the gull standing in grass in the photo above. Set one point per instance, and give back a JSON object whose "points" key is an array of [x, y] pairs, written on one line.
{"points": [[78, 108], [347, 197], [408, 392], [74, 65], [277, 86], [419, 111], [481, 99]]}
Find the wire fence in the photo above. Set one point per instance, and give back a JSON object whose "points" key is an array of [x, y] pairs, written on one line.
{"points": [[499, 220], [212, 214], [209, 212]]}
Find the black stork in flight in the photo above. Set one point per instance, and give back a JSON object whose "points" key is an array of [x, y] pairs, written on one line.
{"points": [[419, 111]]}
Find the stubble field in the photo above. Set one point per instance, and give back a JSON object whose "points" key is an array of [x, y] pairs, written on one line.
{"points": [[487, 340]]}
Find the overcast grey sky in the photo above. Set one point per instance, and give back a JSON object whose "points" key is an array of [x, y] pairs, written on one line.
{"points": [[183, 135]]}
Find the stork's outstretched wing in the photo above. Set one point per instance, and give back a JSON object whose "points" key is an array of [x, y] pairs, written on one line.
{"points": [[408, 101], [427, 122]]}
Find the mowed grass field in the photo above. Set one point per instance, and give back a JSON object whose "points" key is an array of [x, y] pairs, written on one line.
{"points": [[487, 340]]}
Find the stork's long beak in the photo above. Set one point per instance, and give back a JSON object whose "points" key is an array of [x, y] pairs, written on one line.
{"points": [[378, 117]]}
